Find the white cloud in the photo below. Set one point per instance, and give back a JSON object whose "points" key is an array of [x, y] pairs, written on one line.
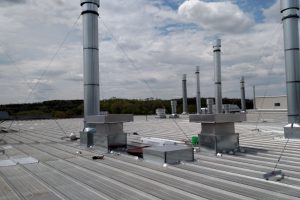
{"points": [[216, 16], [272, 13]]}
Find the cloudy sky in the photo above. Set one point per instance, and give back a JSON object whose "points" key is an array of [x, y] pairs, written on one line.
{"points": [[145, 47]]}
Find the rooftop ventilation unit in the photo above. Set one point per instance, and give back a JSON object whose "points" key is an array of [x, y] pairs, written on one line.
{"points": [[218, 131], [160, 113], [109, 128]]}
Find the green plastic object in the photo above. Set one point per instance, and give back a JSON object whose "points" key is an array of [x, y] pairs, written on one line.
{"points": [[195, 139]]}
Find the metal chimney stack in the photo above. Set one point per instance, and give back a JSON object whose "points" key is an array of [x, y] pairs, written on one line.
{"points": [[184, 95], [254, 96], [198, 97], [289, 10], [243, 101], [90, 57], [174, 107], [218, 81], [209, 103]]}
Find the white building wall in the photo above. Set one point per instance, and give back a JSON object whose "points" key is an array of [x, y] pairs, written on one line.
{"points": [[271, 103]]}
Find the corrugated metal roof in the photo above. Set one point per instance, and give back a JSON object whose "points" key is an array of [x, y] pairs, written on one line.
{"points": [[62, 173]]}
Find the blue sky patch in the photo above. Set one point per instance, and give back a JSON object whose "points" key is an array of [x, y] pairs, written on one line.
{"points": [[253, 7], [174, 27], [173, 4]]}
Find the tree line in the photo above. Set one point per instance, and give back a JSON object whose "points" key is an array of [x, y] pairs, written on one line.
{"points": [[74, 108]]}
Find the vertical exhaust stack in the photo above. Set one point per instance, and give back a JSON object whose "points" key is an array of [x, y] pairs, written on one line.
{"points": [[289, 10], [254, 96], [184, 96], [243, 101], [198, 97], [209, 103], [174, 109], [90, 58], [105, 131], [218, 81]]}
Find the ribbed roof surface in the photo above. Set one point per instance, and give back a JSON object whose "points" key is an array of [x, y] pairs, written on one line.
{"points": [[63, 174]]}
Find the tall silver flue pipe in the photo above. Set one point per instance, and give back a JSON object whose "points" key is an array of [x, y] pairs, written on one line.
{"points": [[174, 107], [218, 81], [243, 101], [254, 97], [184, 95], [198, 97], [209, 104], [289, 10], [90, 57]]}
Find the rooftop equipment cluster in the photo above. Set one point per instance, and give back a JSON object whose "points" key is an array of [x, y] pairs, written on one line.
{"points": [[106, 130], [218, 129]]}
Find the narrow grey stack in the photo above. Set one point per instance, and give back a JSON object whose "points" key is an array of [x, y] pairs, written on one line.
{"points": [[90, 57], [209, 103], [174, 109], [289, 10], [184, 96], [254, 97], [218, 80], [198, 97], [243, 101], [109, 128], [218, 130], [174, 106]]}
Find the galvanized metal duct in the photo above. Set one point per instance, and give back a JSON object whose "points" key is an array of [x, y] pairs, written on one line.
{"points": [[254, 96], [289, 10], [243, 101], [90, 57], [218, 81], [209, 103], [198, 97], [174, 107], [184, 95]]}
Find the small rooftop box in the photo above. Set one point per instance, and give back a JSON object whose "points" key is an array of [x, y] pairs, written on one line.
{"points": [[169, 154]]}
